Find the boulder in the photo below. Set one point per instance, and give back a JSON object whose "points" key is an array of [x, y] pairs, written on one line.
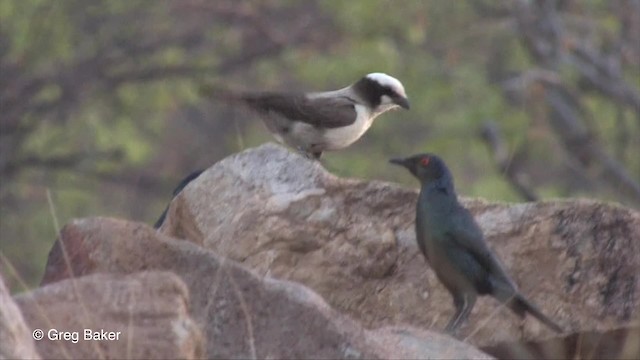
{"points": [[107, 316], [353, 242], [16, 341], [241, 314], [619, 343]]}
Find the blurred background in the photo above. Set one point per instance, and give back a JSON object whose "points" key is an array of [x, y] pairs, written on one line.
{"points": [[99, 103]]}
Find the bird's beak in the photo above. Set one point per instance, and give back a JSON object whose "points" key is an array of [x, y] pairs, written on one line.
{"points": [[403, 102], [400, 161]]}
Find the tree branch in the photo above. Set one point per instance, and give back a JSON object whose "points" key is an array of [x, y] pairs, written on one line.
{"points": [[490, 133], [543, 35], [62, 162]]}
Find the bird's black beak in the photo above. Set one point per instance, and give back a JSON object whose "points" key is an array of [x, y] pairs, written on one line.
{"points": [[400, 161], [403, 102]]}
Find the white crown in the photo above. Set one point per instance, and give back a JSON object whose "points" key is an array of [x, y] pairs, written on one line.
{"points": [[386, 80]]}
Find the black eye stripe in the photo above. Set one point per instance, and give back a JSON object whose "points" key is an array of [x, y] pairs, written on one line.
{"points": [[372, 91]]}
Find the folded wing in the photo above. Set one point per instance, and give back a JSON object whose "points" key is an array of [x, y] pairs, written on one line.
{"points": [[322, 112]]}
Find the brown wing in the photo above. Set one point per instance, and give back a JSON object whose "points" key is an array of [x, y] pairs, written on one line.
{"points": [[319, 112]]}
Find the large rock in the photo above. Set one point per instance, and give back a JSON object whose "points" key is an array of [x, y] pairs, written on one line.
{"points": [[141, 316], [353, 242], [621, 343], [242, 315], [16, 341]]}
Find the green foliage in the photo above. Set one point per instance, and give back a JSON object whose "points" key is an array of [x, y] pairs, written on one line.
{"points": [[439, 49]]}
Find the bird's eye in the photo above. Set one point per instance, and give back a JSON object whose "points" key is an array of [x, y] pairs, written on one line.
{"points": [[424, 161]]}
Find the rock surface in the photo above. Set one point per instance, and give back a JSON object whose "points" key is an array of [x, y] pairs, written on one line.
{"points": [[16, 341], [621, 343], [142, 316], [353, 242], [241, 314]]}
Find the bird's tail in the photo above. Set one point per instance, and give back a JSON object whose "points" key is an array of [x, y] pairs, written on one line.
{"points": [[520, 305], [507, 293], [183, 183], [258, 101], [213, 90]]}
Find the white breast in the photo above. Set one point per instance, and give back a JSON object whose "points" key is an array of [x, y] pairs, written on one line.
{"points": [[342, 137]]}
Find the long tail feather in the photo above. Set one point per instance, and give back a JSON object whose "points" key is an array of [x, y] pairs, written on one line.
{"points": [[520, 305]]}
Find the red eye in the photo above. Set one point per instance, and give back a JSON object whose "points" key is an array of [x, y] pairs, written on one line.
{"points": [[424, 161]]}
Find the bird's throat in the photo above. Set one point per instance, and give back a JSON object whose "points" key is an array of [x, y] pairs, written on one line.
{"points": [[438, 197]]}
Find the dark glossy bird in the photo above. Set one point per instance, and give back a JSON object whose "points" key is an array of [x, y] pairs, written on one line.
{"points": [[183, 183], [318, 121], [454, 245]]}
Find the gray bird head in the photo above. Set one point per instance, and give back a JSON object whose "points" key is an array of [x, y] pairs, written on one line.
{"points": [[427, 168], [381, 92]]}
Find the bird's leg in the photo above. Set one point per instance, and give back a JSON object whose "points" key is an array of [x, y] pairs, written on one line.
{"points": [[464, 304], [521, 327], [454, 322]]}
